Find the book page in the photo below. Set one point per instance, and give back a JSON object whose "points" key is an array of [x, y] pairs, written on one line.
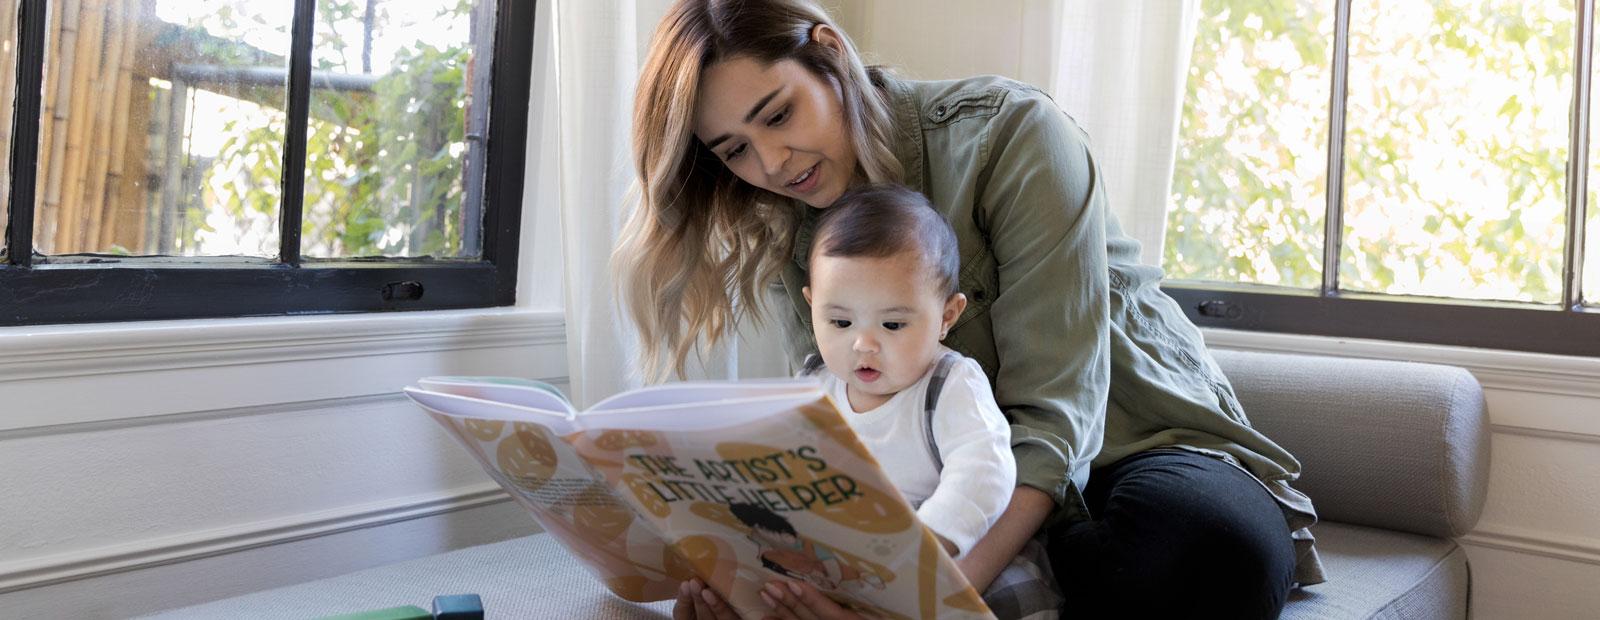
{"points": [[568, 498], [521, 392], [700, 392], [457, 405], [701, 406], [786, 494]]}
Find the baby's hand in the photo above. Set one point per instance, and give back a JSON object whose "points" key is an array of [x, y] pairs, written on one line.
{"points": [[797, 600]]}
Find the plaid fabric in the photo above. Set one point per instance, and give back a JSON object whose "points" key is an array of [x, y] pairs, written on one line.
{"points": [[1026, 588]]}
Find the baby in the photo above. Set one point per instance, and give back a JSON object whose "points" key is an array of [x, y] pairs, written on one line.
{"points": [[883, 294], [884, 270]]}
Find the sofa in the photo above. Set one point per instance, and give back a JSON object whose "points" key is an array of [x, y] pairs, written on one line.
{"points": [[1395, 455]]}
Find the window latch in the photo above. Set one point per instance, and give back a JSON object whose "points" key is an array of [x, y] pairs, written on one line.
{"points": [[409, 290], [1221, 310]]}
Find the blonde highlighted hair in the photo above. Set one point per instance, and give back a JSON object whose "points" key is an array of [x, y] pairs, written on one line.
{"points": [[700, 246]]}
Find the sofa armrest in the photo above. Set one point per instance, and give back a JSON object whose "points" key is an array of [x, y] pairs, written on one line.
{"points": [[1396, 445]]}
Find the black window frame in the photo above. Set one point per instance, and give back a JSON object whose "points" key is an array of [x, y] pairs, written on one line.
{"points": [[96, 288], [1570, 328]]}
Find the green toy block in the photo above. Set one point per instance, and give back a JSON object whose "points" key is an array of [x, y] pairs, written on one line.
{"points": [[458, 607], [409, 612]]}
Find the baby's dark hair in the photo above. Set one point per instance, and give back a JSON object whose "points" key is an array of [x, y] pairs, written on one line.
{"points": [[759, 517], [884, 219]]}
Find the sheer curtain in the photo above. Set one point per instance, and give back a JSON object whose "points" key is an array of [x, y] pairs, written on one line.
{"points": [[1117, 66], [1121, 72], [598, 48]]}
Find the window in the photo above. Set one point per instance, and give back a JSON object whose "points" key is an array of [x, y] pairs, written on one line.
{"points": [[180, 159], [1405, 170]]}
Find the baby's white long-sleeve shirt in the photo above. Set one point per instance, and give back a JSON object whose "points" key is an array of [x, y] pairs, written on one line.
{"points": [[961, 501]]}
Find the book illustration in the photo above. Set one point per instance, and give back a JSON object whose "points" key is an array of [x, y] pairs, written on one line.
{"points": [[543, 474], [736, 484], [785, 552]]}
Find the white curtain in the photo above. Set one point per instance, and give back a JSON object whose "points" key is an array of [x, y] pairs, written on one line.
{"points": [[1121, 72], [599, 46]]}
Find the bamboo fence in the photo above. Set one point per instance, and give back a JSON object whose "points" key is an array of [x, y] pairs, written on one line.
{"points": [[92, 129], [8, 83]]}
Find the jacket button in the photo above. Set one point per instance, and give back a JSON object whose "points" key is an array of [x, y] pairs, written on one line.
{"points": [[939, 111]]}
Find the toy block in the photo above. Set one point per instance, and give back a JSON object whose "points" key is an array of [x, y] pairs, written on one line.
{"points": [[458, 607]]}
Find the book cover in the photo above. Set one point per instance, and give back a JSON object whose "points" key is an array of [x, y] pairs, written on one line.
{"points": [[736, 483]]}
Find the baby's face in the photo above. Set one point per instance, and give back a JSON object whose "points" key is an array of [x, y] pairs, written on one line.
{"points": [[878, 322]]}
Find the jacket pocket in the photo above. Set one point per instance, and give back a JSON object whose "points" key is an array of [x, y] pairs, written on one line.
{"points": [[962, 105]]}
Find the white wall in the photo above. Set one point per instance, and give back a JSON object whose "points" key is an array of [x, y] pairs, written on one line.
{"points": [[145, 466], [1536, 551], [138, 446], [948, 39]]}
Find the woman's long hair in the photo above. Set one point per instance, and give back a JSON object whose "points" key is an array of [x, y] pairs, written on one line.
{"points": [[697, 252]]}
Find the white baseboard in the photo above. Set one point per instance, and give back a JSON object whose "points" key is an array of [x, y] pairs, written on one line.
{"points": [[33, 573], [1522, 540], [1504, 370], [1531, 394], [1541, 433], [68, 375], [64, 351], [182, 584]]}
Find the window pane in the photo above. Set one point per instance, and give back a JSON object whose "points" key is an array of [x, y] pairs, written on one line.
{"points": [[8, 95], [162, 127], [1456, 148], [1591, 252], [398, 87], [1248, 191]]}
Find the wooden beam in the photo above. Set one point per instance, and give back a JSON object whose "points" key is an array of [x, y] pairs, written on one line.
{"points": [[53, 126], [86, 56], [127, 166], [109, 116]]}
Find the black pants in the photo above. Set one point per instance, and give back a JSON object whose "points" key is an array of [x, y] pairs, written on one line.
{"points": [[1175, 535]]}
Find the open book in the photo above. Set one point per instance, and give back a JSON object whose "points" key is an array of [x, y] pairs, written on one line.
{"points": [[737, 483]]}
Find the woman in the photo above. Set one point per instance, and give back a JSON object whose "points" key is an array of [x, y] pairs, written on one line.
{"points": [[1132, 453]]}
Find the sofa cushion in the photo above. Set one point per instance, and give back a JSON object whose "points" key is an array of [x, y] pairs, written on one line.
{"points": [[1385, 575], [1372, 573], [1395, 445]]}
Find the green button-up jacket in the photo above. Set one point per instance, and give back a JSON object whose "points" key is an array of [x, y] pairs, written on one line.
{"points": [[1089, 360]]}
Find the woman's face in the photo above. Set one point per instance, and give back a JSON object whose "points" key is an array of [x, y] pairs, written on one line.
{"points": [[778, 127]]}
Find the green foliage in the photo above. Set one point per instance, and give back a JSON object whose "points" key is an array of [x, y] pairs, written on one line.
{"points": [[1591, 276], [1246, 188], [1447, 192], [383, 167]]}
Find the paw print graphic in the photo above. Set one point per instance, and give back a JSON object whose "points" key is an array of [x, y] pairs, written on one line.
{"points": [[880, 546]]}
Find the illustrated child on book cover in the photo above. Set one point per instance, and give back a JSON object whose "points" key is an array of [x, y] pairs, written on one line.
{"points": [[786, 552]]}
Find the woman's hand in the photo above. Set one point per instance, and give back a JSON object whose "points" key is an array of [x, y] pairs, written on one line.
{"points": [[697, 602], [797, 600]]}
